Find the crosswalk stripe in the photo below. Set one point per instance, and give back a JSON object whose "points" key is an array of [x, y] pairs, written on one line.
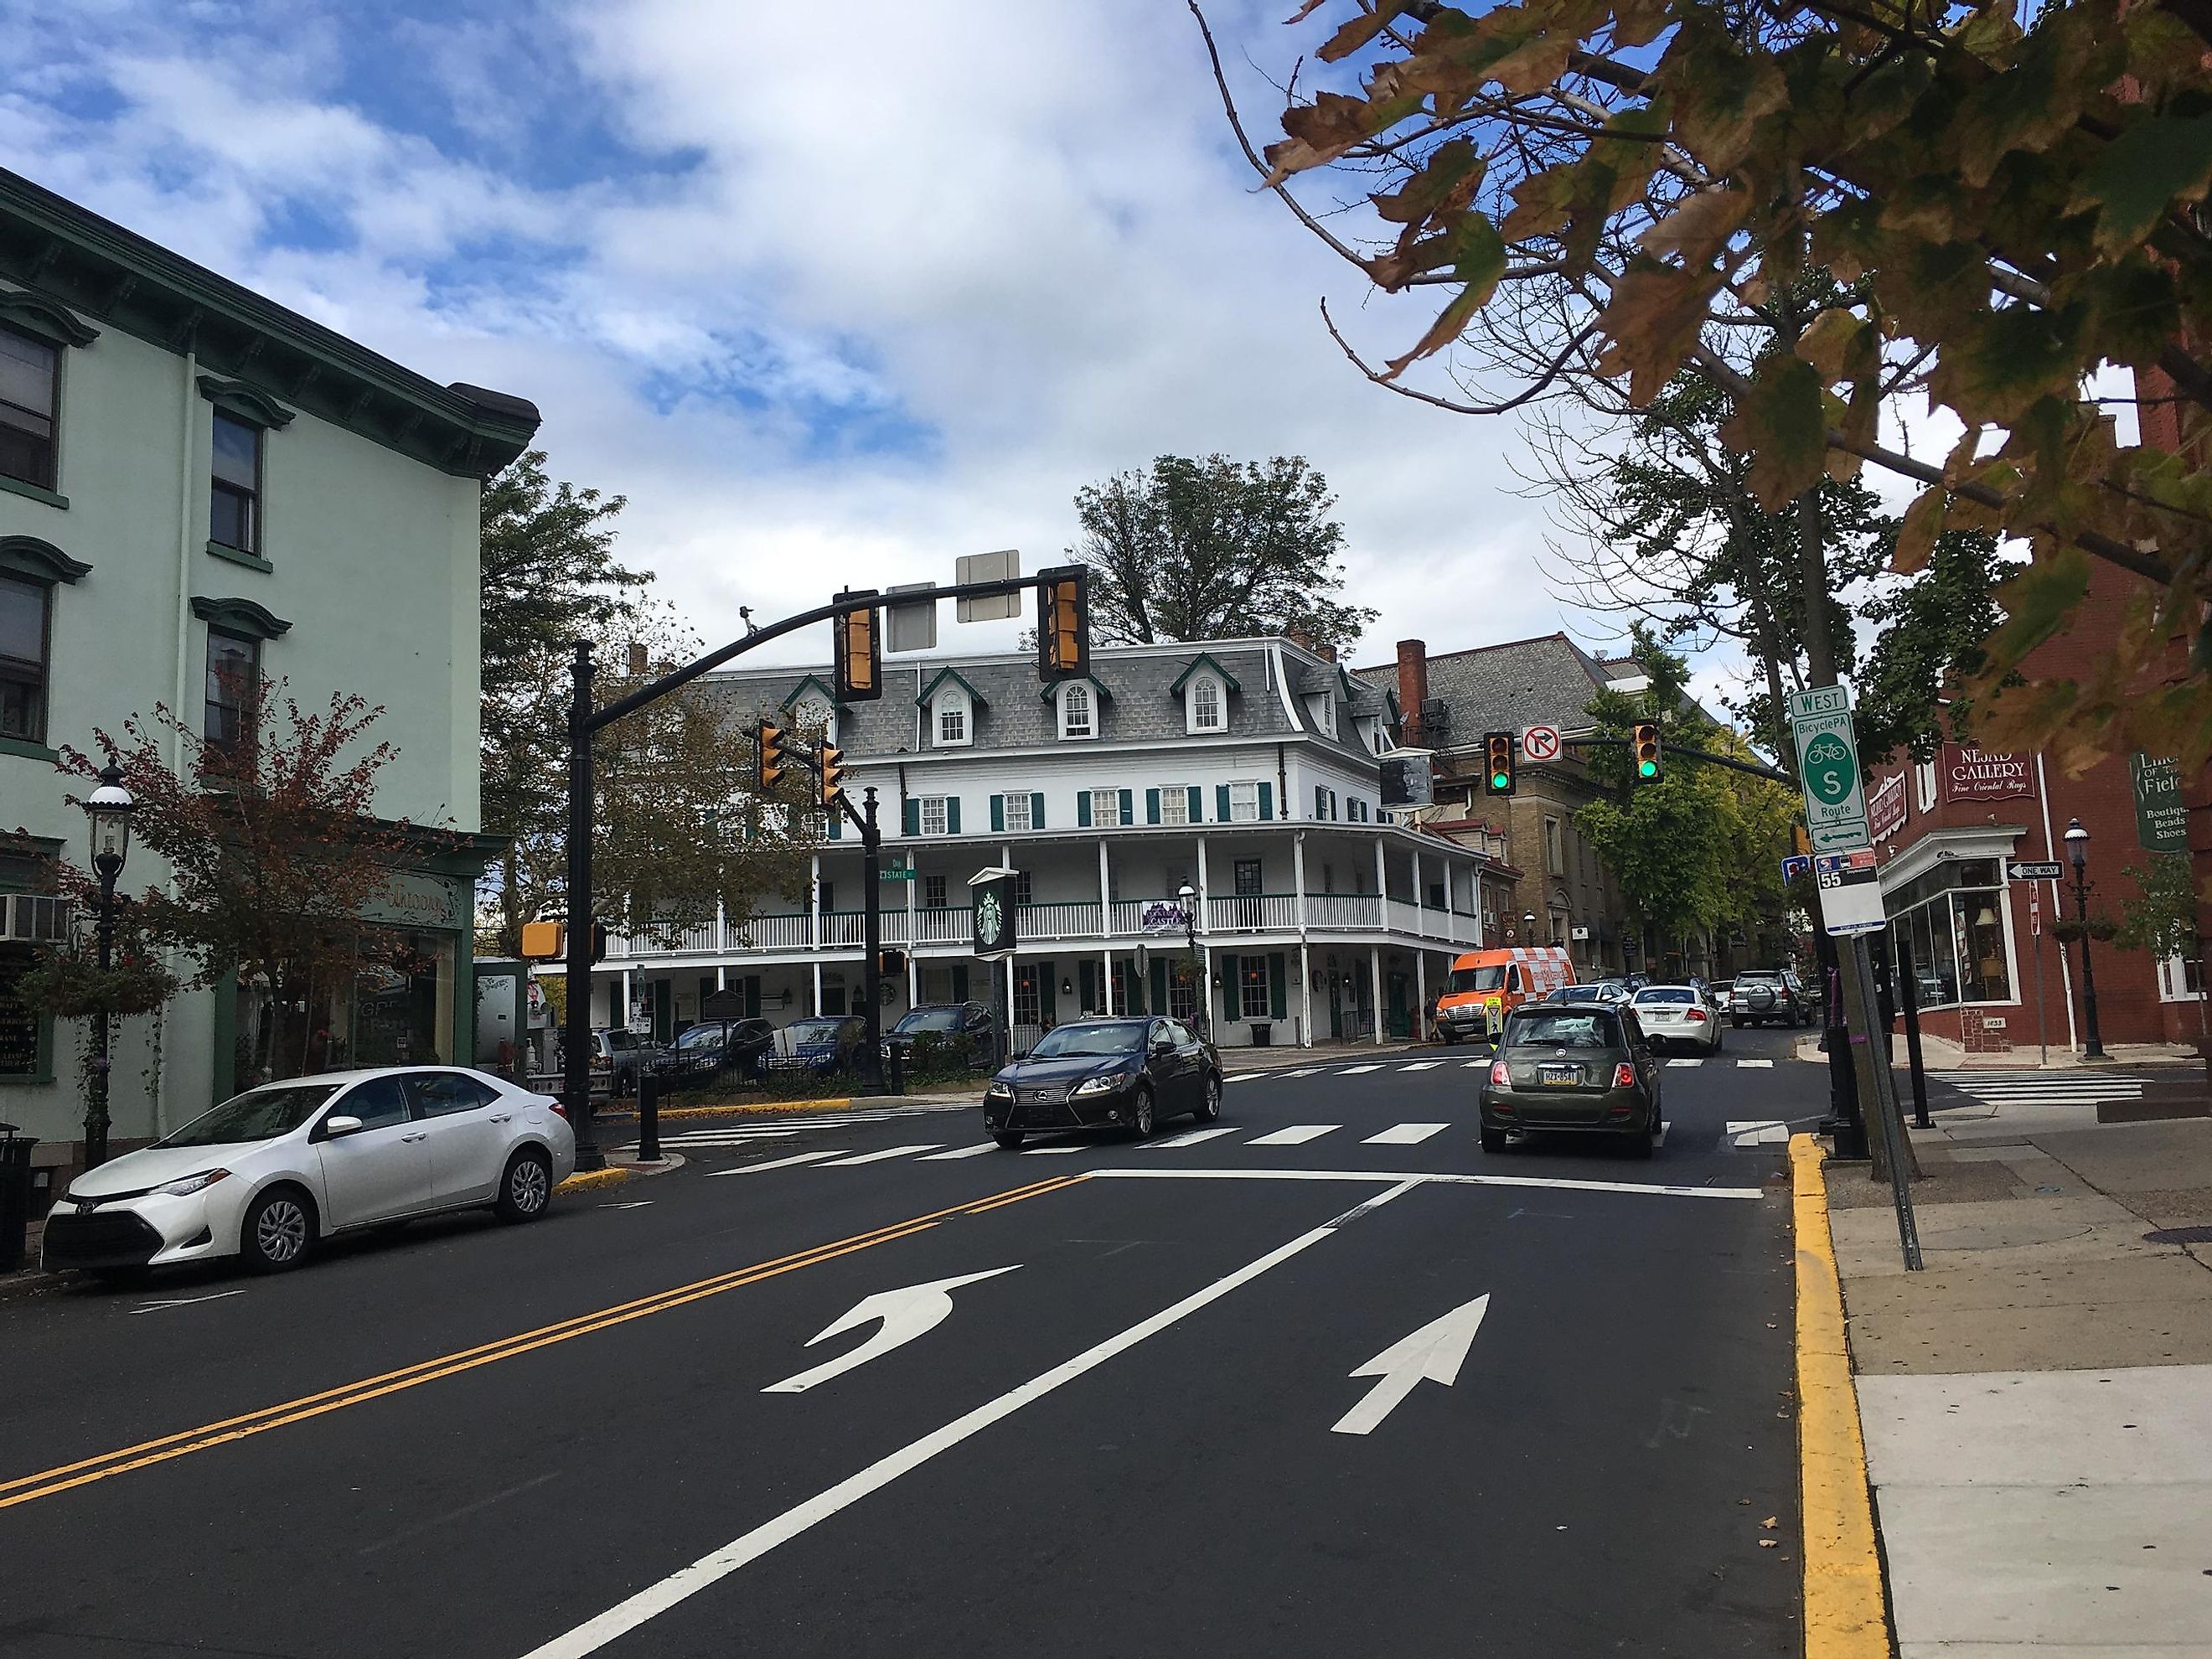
{"points": [[976, 1151], [1422, 1065], [886, 1152], [1246, 1077], [1190, 1137], [1303, 1071], [1686, 1062], [772, 1163], [1405, 1134], [1474, 1065], [1766, 1065], [1765, 1132], [1354, 1070], [1041, 1152], [1296, 1136]]}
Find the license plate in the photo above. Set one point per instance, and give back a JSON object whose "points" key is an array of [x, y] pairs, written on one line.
{"points": [[1559, 1077]]}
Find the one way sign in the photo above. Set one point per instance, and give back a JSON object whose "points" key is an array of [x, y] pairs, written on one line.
{"points": [[2019, 870]]}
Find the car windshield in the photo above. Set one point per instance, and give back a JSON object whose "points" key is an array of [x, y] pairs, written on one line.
{"points": [[701, 1036], [930, 1019], [622, 1039], [1758, 978], [1478, 979], [1562, 1028], [1665, 994], [257, 1115], [814, 1031], [1070, 1042]]}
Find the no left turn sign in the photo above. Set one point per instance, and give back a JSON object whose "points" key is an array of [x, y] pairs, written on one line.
{"points": [[1540, 742]]}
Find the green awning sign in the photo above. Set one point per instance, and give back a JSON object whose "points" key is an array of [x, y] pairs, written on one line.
{"points": [[2161, 819]]}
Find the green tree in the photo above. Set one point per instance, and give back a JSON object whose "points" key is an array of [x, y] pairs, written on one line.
{"points": [[1214, 548], [2162, 916]]}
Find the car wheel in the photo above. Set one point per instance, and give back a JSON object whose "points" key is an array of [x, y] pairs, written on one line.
{"points": [[526, 1188], [1008, 1141], [1140, 1116], [1450, 1039], [1493, 1140], [1641, 1141], [278, 1228], [1210, 1106]]}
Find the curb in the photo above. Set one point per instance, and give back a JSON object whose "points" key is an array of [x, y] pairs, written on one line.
{"points": [[587, 1180], [1846, 1604]]}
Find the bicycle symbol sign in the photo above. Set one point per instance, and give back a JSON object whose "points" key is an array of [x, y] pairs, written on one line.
{"points": [[1830, 769]]}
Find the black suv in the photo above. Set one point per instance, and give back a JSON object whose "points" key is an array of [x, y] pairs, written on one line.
{"points": [[1769, 996]]}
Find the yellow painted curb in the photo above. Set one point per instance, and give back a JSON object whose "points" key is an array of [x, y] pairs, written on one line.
{"points": [[1846, 1605], [586, 1181]]}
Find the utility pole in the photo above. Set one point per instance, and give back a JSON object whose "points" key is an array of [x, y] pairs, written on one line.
{"points": [[576, 1014], [872, 932]]}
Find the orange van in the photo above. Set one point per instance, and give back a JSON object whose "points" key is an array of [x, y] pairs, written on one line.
{"points": [[1485, 986]]}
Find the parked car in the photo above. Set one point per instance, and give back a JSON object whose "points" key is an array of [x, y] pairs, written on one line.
{"points": [[820, 1045], [1135, 1072], [268, 1173], [1769, 996], [622, 1054], [1720, 994], [1683, 1015], [1578, 1068], [961, 1030], [715, 1047]]}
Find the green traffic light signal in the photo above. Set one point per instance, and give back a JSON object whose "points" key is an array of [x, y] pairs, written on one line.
{"points": [[1649, 768], [1499, 781]]}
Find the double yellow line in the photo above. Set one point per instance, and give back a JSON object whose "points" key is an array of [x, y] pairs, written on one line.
{"points": [[48, 1482]]}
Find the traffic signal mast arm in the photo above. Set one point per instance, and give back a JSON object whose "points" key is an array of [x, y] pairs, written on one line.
{"points": [[1676, 752]]}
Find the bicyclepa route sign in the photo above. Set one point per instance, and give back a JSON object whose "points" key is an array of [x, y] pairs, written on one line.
{"points": [[1828, 768]]}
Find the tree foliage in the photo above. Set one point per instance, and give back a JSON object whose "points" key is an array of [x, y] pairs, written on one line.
{"points": [[1213, 548], [2161, 917], [2003, 198]]}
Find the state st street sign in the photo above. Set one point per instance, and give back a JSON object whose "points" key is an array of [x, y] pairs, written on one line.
{"points": [[1828, 767]]}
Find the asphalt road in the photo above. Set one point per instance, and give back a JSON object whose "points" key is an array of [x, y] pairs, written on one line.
{"points": [[1135, 1425]]}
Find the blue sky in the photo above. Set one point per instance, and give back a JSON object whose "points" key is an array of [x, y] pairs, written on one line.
{"points": [[830, 297]]}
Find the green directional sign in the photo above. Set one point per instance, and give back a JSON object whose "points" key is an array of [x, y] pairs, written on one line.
{"points": [[1828, 767]]}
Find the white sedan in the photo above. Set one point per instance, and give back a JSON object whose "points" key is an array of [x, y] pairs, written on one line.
{"points": [[1678, 1014], [267, 1175]]}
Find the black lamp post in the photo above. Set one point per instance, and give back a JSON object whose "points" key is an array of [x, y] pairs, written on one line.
{"points": [[108, 808], [2077, 855], [1189, 895]]}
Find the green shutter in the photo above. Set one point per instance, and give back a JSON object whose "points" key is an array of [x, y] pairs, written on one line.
{"points": [[1320, 802], [1086, 985], [752, 996], [998, 815], [1037, 811], [836, 825], [1047, 977], [952, 815], [1229, 1009], [1159, 985], [1083, 809], [1128, 806], [910, 818], [960, 982], [1267, 802], [1221, 803], [1278, 1000], [1197, 805], [1152, 806]]}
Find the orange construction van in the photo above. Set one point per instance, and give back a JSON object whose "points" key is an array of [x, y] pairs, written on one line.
{"points": [[1485, 986]]}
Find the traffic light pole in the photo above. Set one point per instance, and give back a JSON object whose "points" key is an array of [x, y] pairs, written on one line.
{"points": [[872, 933]]}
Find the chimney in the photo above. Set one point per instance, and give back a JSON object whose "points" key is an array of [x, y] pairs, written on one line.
{"points": [[1412, 685], [1305, 641]]}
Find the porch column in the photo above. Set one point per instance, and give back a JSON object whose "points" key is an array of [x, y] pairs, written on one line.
{"points": [[1419, 921], [721, 976], [1420, 996], [628, 1003], [1305, 995], [817, 985], [1205, 908], [814, 910], [1374, 966], [1298, 879], [1381, 882], [1105, 897], [1106, 979], [721, 928]]}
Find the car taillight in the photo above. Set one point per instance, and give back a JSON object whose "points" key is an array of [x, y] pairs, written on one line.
{"points": [[1697, 1014], [1623, 1076], [1499, 1075], [562, 1111]]}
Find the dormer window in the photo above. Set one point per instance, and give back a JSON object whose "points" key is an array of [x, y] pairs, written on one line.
{"points": [[815, 714], [1078, 711], [956, 718], [1209, 709], [1322, 707]]}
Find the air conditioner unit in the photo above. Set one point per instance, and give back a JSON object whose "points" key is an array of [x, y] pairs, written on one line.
{"points": [[33, 918]]}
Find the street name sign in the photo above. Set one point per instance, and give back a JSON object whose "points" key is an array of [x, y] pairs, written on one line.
{"points": [[1540, 742], [1851, 891], [1828, 765], [2020, 870]]}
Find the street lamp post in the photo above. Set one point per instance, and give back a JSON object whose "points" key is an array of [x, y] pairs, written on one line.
{"points": [[1189, 895], [2077, 855], [1528, 927], [108, 809]]}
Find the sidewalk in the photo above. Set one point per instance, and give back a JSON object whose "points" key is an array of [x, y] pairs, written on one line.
{"points": [[2037, 1404], [1942, 1055]]}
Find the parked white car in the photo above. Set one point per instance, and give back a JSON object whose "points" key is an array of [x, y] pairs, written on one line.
{"points": [[268, 1174], [1679, 1016]]}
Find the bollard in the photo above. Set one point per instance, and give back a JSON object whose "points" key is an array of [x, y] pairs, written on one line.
{"points": [[648, 1116], [898, 1068]]}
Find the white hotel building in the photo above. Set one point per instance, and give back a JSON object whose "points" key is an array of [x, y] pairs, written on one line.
{"points": [[1245, 769]]}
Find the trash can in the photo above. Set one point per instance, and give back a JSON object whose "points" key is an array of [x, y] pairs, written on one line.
{"points": [[14, 1195], [1263, 1033]]}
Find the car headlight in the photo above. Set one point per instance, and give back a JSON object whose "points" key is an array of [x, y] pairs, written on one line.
{"points": [[1104, 1085], [998, 1091], [186, 1186]]}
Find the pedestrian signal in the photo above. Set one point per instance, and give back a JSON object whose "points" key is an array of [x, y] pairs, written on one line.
{"points": [[1063, 623], [768, 768], [1498, 777], [541, 941], [1643, 744], [859, 669]]}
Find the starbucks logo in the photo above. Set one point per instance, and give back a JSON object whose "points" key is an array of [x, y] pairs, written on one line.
{"points": [[990, 919]]}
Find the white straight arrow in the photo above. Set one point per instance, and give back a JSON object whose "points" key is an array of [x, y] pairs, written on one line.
{"points": [[1436, 1351], [905, 1313]]}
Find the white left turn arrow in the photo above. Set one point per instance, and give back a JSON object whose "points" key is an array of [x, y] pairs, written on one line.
{"points": [[905, 1313], [1434, 1353]]}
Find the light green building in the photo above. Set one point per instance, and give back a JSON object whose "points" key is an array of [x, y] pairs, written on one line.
{"points": [[194, 478]]}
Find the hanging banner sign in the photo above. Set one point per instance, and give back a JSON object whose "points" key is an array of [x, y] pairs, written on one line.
{"points": [[2161, 818], [1971, 773], [1886, 809]]}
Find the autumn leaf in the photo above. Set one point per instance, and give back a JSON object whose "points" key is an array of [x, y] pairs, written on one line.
{"points": [[1699, 228], [1781, 425], [1651, 324], [1358, 32], [1720, 96], [2140, 176], [1917, 533]]}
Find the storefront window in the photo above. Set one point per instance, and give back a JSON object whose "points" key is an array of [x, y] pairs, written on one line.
{"points": [[396, 1008], [1952, 919]]}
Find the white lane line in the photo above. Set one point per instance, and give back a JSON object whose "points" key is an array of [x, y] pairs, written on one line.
{"points": [[1422, 1065], [1161, 1172], [1296, 1136], [1354, 1070], [1473, 1065], [656, 1598], [1302, 1071], [886, 1152], [976, 1151], [770, 1163], [182, 1302], [1405, 1134], [1686, 1062], [1759, 1131], [1047, 1151], [1249, 1077], [1757, 1064], [1189, 1138]]}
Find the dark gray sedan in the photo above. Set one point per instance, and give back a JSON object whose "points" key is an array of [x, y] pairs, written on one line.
{"points": [[1575, 1068], [1132, 1072]]}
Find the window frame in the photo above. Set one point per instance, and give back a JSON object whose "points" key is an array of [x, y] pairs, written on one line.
{"points": [[952, 702], [1008, 810], [1175, 804], [1194, 696], [1236, 813], [52, 481], [943, 805], [1254, 984], [249, 706], [1106, 809], [1069, 694], [43, 666], [1555, 846], [256, 535], [936, 893]]}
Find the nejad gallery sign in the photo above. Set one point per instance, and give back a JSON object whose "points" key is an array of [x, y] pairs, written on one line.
{"points": [[1971, 773]]}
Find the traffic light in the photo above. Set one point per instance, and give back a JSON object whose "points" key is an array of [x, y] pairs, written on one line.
{"points": [[860, 668], [768, 769], [1643, 744], [541, 941], [891, 963], [1497, 774], [831, 760], [1064, 622]]}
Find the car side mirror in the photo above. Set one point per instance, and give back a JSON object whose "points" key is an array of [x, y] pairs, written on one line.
{"points": [[341, 1123], [1163, 1045]]}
